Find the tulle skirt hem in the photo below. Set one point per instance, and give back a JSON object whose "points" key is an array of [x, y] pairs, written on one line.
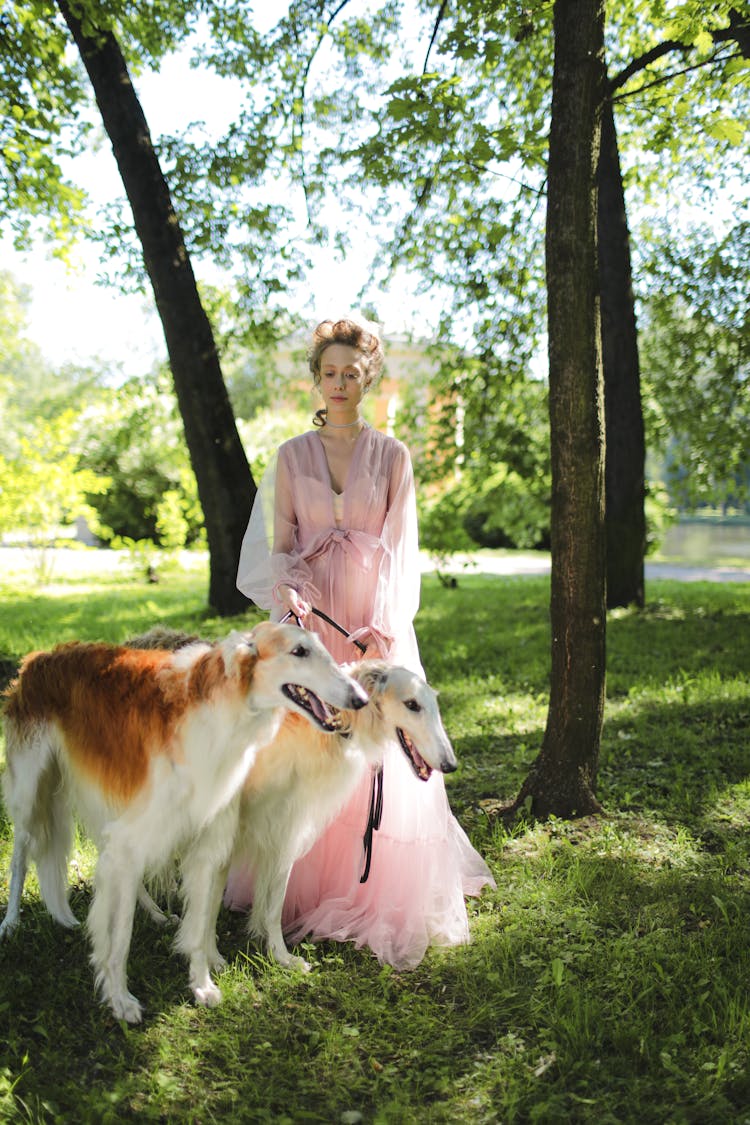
{"points": [[423, 865]]}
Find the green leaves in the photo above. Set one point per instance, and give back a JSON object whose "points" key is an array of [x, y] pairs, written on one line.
{"points": [[726, 129], [695, 343], [41, 94], [43, 487]]}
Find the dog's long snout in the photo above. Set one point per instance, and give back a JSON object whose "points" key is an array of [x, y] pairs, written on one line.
{"points": [[449, 763], [358, 696]]}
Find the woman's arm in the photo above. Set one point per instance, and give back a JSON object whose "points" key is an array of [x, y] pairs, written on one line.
{"points": [[270, 564], [397, 594], [284, 538]]}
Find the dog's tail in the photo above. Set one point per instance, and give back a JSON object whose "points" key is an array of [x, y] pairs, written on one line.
{"points": [[36, 796]]}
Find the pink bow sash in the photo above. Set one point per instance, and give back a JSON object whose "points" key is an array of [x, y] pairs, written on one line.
{"points": [[360, 546], [368, 634]]}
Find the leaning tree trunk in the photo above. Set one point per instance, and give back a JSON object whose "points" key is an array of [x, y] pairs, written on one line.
{"points": [[626, 450], [225, 484], [562, 781]]}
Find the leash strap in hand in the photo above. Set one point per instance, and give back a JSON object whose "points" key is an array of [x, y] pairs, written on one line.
{"points": [[324, 616]]}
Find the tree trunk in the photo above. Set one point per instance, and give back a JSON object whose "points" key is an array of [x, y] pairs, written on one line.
{"points": [[562, 781], [626, 451], [225, 484]]}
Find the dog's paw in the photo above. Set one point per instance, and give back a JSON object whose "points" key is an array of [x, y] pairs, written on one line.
{"points": [[158, 916], [168, 920], [298, 964], [208, 995], [7, 928], [127, 1008]]}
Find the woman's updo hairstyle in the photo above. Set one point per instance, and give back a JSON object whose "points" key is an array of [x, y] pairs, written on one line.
{"points": [[363, 335]]}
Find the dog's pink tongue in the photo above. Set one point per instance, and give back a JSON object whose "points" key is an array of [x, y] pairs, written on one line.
{"points": [[319, 709], [424, 769]]}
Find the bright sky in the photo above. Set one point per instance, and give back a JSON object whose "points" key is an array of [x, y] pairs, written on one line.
{"points": [[74, 319]]}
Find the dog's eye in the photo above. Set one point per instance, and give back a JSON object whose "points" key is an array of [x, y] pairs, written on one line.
{"points": [[300, 650], [412, 705]]}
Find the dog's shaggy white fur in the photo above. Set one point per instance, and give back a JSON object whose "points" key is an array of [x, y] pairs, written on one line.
{"points": [[304, 777], [150, 749]]}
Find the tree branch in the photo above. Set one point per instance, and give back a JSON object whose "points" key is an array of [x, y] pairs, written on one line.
{"points": [[644, 61], [301, 120], [667, 77], [486, 170], [738, 30], [436, 28]]}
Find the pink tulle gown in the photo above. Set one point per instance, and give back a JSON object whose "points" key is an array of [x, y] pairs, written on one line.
{"points": [[355, 556]]}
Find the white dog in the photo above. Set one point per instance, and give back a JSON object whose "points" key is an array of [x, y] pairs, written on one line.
{"points": [[304, 777], [150, 749]]}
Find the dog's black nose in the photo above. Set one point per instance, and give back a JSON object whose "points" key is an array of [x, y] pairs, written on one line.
{"points": [[359, 700], [449, 767]]}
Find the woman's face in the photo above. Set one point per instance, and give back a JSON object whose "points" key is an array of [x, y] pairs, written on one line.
{"points": [[342, 378]]}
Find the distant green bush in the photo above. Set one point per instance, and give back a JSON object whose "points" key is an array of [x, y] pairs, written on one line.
{"points": [[501, 510]]}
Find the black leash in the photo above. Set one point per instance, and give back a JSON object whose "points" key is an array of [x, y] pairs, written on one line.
{"points": [[319, 613], [375, 812], [324, 616], [374, 816]]}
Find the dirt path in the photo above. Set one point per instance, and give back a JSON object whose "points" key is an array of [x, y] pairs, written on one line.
{"points": [[15, 561], [538, 563]]}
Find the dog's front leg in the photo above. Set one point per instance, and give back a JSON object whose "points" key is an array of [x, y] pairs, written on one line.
{"points": [[272, 877], [204, 872], [196, 938], [110, 926]]}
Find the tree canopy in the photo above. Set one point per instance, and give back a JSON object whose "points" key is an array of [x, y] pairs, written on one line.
{"points": [[414, 135]]}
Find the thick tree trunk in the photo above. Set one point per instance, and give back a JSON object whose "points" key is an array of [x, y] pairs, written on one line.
{"points": [[225, 484], [563, 779], [626, 450]]}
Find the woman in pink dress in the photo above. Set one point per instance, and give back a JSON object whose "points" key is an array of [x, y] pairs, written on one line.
{"points": [[334, 526]]}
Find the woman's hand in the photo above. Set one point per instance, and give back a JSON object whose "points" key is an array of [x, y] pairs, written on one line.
{"points": [[291, 600]]}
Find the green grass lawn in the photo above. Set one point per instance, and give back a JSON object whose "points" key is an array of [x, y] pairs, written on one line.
{"points": [[607, 977]]}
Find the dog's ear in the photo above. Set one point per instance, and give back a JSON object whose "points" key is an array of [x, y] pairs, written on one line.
{"points": [[238, 647], [373, 676], [249, 643]]}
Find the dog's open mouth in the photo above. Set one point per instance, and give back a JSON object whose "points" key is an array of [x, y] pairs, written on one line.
{"points": [[418, 764], [325, 717]]}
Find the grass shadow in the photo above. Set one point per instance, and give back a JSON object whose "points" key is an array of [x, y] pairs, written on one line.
{"points": [[677, 759], [581, 954]]}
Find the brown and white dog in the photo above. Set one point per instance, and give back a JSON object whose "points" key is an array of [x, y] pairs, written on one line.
{"points": [[150, 749], [301, 780]]}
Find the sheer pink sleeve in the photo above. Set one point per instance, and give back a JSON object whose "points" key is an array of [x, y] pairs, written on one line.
{"points": [[397, 594], [269, 554]]}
